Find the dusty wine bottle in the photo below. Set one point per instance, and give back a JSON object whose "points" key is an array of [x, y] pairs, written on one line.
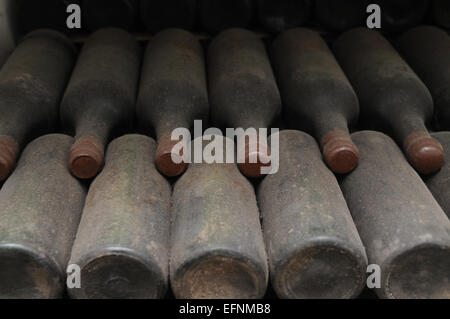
{"points": [[40, 208], [217, 246], [317, 96], [313, 246], [439, 183], [399, 15], [219, 15], [159, 15], [173, 92], [99, 14], [276, 16], [404, 230], [32, 82], [123, 238], [441, 13], [340, 15], [100, 96], [392, 98], [427, 49], [242, 90]]}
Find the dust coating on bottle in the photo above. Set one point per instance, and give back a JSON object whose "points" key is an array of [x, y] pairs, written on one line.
{"points": [[123, 239], [217, 246], [317, 96], [313, 246], [392, 97], [173, 92], [31, 86], [40, 209], [242, 88], [100, 97], [402, 226]]}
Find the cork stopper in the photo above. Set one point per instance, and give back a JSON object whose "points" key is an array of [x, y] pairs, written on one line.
{"points": [[339, 152], [86, 157], [164, 154], [424, 152], [258, 150], [9, 150]]}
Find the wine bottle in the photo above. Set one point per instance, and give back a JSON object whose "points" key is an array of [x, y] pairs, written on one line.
{"points": [[276, 16], [427, 49], [40, 208], [32, 82], [404, 230], [99, 14], [317, 96], [159, 15], [219, 15], [100, 97], [217, 245], [439, 183], [315, 250], [242, 90], [392, 97], [173, 92], [123, 238], [340, 15]]}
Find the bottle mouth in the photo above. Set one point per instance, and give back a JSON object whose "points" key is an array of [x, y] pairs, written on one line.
{"points": [[86, 157], [339, 152], [256, 157], [9, 151], [169, 160], [424, 152]]}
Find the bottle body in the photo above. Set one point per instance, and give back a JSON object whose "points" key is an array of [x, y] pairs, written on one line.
{"points": [[123, 238], [315, 250], [41, 206], [217, 247], [32, 81], [404, 230], [317, 96], [173, 92], [242, 89], [100, 97], [392, 97]]}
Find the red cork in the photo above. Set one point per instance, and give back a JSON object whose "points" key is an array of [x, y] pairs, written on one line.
{"points": [[424, 153], [339, 152], [9, 150], [260, 152], [164, 153], [86, 157]]}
